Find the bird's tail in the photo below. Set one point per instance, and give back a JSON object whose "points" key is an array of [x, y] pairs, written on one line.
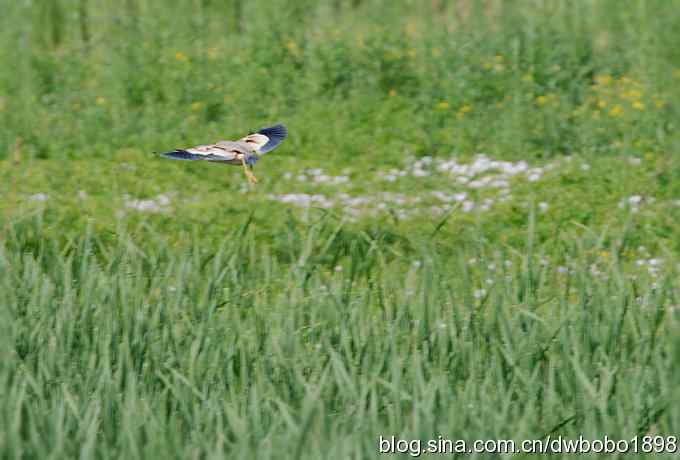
{"points": [[276, 135]]}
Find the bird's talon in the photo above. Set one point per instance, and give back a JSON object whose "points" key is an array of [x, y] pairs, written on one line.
{"points": [[251, 177]]}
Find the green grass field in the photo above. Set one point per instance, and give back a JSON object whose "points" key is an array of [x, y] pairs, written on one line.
{"points": [[472, 231]]}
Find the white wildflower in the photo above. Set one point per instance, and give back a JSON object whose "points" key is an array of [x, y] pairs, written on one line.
{"points": [[38, 197], [163, 200]]}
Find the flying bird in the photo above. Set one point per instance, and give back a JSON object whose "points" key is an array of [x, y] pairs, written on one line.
{"points": [[245, 151]]}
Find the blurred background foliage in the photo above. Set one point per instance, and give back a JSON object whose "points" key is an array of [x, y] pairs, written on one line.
{"points": [[527, 79], [93, 87]]}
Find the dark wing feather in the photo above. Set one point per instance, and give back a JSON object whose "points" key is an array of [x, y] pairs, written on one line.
{"points": [[183, 155], [203, 152], [276, 134]]}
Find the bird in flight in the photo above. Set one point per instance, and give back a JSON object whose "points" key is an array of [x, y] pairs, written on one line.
{"points": [[245, 151]]}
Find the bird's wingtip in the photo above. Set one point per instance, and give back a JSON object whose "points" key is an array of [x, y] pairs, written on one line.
{"points": [[180, 155], [276, 135]]}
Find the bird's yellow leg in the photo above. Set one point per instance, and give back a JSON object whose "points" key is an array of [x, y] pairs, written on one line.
{"points": [[249, 174]]}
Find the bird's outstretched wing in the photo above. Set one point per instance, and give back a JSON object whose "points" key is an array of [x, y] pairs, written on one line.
{"points": [[203, 152], [266, 139]]}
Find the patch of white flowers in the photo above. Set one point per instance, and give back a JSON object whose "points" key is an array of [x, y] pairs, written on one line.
{"points": [[304, 200], [633, 202], [317, 176], [38, 197], [481, 174], [479, 293], [653, 265], [153, 205]]}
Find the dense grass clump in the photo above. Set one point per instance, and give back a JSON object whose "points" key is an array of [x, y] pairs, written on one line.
{"points": [[471, 232], [132, 351]]}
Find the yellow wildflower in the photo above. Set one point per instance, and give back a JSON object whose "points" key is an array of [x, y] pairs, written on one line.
{"points": [[632, 95], [659, 103], [196, 106], [100, 100], [392, 92], [293, 48], [443, 105], [487, 66], [616, 111], [411, 28], [639, 106], [602, 103], [541, 100], [603, 80], [181, 57], [462, 111]]}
